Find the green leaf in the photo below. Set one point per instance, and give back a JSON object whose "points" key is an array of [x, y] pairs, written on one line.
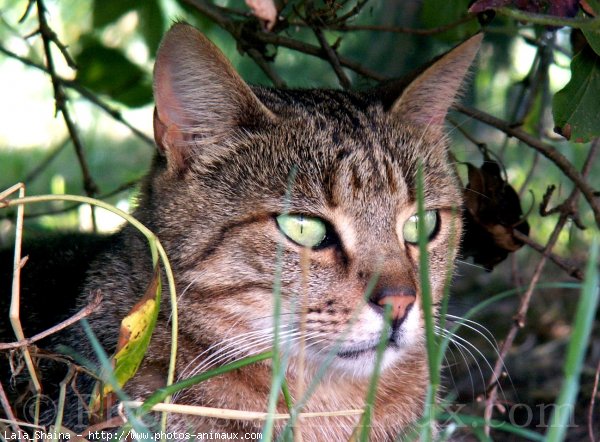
{"points": [[436, 13], [576, 107], [134, 338], [593, 38], [152, 24], [136, 331], [108, 71], [108, 11]]}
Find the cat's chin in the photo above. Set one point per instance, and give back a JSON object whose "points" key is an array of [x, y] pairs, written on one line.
{"points": [[361, 363]]}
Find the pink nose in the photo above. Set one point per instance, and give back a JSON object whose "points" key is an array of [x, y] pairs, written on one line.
{"points": [[400, 302]]}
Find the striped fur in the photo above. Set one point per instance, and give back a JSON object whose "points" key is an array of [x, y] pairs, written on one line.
{"points": [[228, 156]]}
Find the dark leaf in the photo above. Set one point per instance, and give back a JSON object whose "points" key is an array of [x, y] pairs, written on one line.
{"points": [[593, 39], [436, 13], [558, 8], [108, 11], [563, 8], [152, 24], [108, 71], [492, 212], [576, 107], [487, 5]]}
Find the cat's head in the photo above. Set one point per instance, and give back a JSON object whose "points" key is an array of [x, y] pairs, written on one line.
{"points": [[308, 193]]}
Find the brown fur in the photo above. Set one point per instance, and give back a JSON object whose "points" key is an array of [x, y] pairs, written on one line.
{"points": [[226, 155]]}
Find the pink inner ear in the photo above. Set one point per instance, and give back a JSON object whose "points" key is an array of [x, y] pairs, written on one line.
{"points": [[168, 105]]}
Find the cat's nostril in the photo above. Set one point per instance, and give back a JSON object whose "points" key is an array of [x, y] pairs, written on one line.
{"points": [[401, 305], [401, 301]]}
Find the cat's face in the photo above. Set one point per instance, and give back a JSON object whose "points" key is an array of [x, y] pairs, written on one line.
{"points": [[310, 195]]}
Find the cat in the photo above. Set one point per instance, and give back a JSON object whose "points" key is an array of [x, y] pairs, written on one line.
{"points": [[317, 186]]}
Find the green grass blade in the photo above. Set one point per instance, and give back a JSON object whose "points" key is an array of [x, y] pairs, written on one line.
{"points": [[279, 366], [365, 423], [583, 324], [463, 420], [328, 359], [427, 304]]}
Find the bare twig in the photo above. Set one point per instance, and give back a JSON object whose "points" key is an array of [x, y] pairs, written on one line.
{"points": [[85, 93], [15, 298], [592, 403], [568, 208], [8, 411], [84, 312], [564, 264], [266, 68], [30, 4], [45, 162], [123, 187], [545, 149], [592, 24], [48, 37], [333, 58], [219, 17], [401, 29]]}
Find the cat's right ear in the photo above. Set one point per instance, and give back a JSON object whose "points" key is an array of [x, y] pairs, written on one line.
{"points": [[200, 98]]}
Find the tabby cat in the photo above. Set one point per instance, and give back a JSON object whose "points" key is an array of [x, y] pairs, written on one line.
{"points": [[316, 186]]}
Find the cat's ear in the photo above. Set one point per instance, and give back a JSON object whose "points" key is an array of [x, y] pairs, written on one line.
{"points": [[200, 99], [426, 99]]}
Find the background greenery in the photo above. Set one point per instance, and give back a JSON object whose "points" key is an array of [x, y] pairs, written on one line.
{"points": [[533, 73]]}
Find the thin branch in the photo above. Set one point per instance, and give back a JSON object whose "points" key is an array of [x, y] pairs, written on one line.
{"points": [[592, 24], [360, 4], [217, 15], [316, 51], [85, 93], [564, 264], [123, 187], [8, 411], [569, 207], [84, 312], [545, 149], [333, 58], [266, 68], [401, 29], [45, 162], [60, 99], [30, 4]]}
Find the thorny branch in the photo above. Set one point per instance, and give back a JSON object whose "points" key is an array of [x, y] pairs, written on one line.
{"points": [[568, 207], [545, 149]]}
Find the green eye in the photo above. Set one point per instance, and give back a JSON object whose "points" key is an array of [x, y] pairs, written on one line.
{"points": [[410, 230], [304, 230]]}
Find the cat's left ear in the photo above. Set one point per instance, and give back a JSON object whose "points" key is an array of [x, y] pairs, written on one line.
{"points": [[426, 99]]}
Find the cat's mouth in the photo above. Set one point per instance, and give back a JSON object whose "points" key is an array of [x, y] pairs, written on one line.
{"points": [[355, 353]]}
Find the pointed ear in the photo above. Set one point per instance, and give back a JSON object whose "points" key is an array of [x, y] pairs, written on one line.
{"points": [[427, 98], [200, 98]]}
